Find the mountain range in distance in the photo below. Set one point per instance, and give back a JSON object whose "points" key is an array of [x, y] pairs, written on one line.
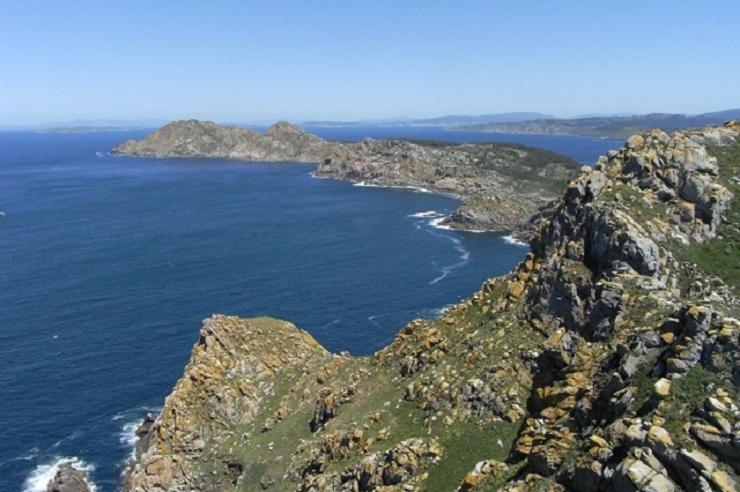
{"points": [[617, 126], [446, 120], [605, 126]]}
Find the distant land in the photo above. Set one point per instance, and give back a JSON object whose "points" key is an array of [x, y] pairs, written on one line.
{"points": [[604, 126], [446, 120], [617, 126], [501, 185]]}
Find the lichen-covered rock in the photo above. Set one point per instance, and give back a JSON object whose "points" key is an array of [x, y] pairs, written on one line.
{"points": [[232, 370], [603, 361]]}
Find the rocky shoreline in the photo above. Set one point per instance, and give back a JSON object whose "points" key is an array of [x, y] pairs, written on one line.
{"points": [[609, 359], [501, 185]]}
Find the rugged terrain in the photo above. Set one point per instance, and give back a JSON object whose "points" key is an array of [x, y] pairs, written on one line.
{"points": [[501, 185], [605, 126], [607, 360]]}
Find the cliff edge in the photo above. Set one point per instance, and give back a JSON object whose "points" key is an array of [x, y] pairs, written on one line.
{"points": [[609, 359]]}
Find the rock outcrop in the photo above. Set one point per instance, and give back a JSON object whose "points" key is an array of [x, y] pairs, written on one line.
{"points": [[609, 359], [69, 479], [501, 185]]}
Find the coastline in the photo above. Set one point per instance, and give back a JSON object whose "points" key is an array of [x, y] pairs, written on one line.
{"points": [[436, 222]]}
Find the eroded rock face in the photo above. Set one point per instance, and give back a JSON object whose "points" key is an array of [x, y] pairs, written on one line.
{"points": [[232, 370], [594, 365], [502, 184]]}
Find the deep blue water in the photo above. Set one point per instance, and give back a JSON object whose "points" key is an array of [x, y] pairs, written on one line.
{"points": [[108, 264]]}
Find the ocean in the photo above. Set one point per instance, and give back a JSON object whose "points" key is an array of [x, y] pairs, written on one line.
{"points": [[108, 265]]}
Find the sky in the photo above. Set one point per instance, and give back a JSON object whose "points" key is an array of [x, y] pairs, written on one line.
{"points": [[257, 61]]}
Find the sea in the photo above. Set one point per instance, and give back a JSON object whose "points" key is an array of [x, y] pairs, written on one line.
{"points": [[108, 264]]}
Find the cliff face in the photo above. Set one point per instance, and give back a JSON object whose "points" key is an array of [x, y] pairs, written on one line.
{"points": [[502, 185], [609, 359]]}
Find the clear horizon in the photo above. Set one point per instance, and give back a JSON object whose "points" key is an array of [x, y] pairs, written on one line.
{"points": [[257, 62]]}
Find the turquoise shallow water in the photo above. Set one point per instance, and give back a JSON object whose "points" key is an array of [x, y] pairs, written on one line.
{"points": [[108, 264]]}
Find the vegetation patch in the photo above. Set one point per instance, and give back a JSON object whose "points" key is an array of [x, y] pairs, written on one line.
{"points": [[719, 256]]}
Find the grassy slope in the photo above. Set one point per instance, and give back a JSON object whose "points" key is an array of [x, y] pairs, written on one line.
{"points": [[719, 256]]}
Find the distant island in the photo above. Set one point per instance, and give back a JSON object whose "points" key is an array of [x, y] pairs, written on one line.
{"points": [[619, 127], [501, 185], [444, 121]]}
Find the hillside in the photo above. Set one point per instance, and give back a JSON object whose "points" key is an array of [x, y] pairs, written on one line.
{"points": [[501, 185], [606, 126], [607, 360]]}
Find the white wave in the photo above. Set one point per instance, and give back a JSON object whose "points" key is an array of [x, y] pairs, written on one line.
{"points": [[127, 436], [437, 224], [330, 323], [434, 313], [70, 437], [464, 258], [374, 317], [426, 214], [33, 452], [417, 189], [512, 240], [136, 411], [40, 477]]}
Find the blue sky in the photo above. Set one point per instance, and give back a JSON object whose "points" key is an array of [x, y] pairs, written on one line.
{"points": [[249, 60]]}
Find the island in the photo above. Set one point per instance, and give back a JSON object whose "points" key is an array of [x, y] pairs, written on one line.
{"points": [[501, 186]]}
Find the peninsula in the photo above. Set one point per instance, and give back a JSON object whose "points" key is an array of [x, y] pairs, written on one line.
{"points": [[608, 359], [501, 185]]}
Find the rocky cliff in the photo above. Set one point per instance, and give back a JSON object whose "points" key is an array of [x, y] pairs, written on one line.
{"points": [[609, 359], [502, 185]]}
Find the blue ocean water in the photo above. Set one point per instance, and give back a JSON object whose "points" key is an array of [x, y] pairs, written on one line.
{"points": [[108, 264]]}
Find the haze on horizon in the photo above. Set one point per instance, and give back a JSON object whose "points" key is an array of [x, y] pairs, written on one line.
{"points": [[244, 60]]}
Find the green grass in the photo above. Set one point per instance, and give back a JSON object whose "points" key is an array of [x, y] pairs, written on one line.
{"points": [[633, 198], [687, 392], [465, 444], [644, 383], [719, 256]]}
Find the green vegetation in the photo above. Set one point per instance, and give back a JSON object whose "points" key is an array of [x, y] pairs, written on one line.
{"points": [[466, 444], [550, 170], [640, 208], [719, 256], [687, 392]]}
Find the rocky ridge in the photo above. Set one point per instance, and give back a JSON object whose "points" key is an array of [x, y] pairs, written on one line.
{"points": [[609, 359], [501, 185]]}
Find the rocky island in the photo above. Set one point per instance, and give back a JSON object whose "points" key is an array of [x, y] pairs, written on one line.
{"points": [[501, 185], [608, 359]]}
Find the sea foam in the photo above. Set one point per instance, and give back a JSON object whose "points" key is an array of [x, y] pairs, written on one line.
{"points": [[426, 214], [44, 473], [512, 240]]}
